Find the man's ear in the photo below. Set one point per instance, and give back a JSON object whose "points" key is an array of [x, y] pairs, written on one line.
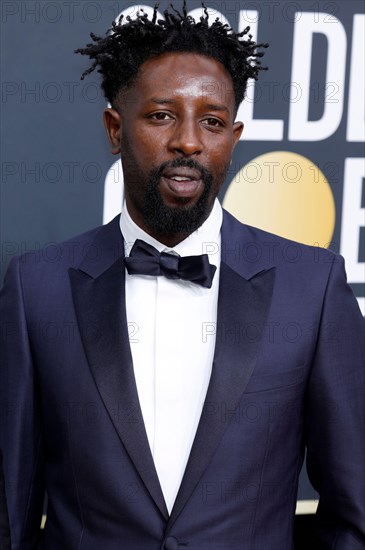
{"points": [[237, 131], [112, 123]]}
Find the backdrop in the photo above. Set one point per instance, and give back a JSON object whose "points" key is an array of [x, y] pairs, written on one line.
{"points": [[298, 170]]}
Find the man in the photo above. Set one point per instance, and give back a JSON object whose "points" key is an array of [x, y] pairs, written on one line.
{"points": [[173, 413]]}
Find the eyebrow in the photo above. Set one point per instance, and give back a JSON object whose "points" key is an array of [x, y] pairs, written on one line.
{"points": [[214, 107], [210, 106], [163, 100]]}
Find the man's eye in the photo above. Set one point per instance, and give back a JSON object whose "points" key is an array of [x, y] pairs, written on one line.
{"points": [[160, 116], [212, 122]]}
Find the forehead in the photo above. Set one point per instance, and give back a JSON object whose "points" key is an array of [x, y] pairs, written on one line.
{"points": [[184, 75]]}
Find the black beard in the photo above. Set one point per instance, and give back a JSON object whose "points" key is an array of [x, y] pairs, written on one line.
{"points": [[166, 220]]}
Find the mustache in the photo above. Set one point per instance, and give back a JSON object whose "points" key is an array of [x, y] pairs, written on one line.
{"points": [[186, 163]]}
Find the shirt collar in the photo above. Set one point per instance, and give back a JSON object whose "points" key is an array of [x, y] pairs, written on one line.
{"points": [[205, 238]]}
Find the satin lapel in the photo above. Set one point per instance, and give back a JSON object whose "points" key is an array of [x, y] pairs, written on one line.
{"points": [[242, 306], [100, 309]]}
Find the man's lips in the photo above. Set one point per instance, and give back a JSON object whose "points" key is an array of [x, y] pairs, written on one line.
{"points": [[182, 181], [182, 172]]}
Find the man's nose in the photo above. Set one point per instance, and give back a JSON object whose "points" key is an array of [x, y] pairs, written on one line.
{"points": [[186, 139]]}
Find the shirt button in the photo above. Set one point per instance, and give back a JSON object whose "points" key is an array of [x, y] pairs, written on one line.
{"points": [[170, 543]]}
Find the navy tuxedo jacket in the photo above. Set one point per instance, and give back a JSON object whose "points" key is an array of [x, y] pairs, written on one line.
{"points": [[287, 375]]}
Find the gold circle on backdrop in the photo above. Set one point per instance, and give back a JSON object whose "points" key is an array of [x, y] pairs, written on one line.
{"points": [[284, 193]]}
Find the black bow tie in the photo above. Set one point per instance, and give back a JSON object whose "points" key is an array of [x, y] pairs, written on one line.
{"points": [[144, 259]]}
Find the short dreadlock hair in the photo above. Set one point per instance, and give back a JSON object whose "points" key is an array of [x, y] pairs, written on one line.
{"points": [[128, 44]]}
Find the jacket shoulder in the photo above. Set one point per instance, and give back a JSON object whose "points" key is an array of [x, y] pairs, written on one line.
{"points": [[72, 252]]}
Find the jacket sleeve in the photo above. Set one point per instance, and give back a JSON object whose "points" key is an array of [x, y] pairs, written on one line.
{"points": [[20, 433], [335, 420]]}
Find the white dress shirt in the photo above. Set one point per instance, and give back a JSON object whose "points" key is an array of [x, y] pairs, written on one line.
{"points": [[172, 336]]}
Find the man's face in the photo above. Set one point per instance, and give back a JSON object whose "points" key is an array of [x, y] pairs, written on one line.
{"points": [[175, 132]]}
